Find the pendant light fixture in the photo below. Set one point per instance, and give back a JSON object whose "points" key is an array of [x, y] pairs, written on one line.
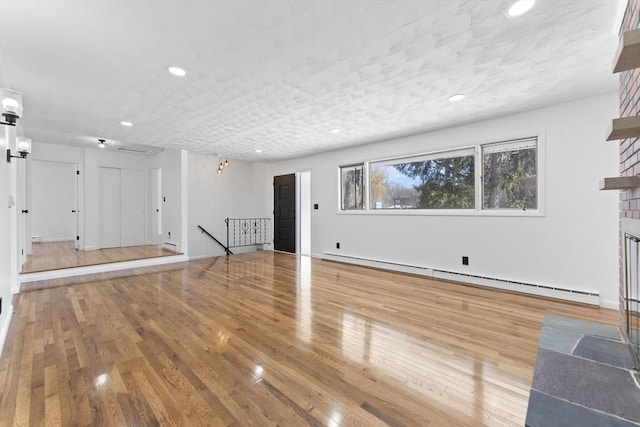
{"points": [[222, 165]]}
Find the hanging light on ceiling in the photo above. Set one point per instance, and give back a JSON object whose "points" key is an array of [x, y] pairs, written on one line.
{"points": [[221, 164], [102, 143]]}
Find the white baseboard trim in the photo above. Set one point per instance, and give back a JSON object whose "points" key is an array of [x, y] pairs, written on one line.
{"points": [[53, 239], [386, 265], [171, 246], [585, 297], [592, 298], [101, 268], [5, 328]]}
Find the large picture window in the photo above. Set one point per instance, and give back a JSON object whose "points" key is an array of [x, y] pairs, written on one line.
{"points": [[435, 181], [482, 179], [510, 175], [352, 187]]}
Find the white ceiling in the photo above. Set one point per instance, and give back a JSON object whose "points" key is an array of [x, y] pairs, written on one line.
{"points": [[279, 75]]}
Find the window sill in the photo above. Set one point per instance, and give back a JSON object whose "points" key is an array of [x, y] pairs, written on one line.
{"points": [[446, 212]]}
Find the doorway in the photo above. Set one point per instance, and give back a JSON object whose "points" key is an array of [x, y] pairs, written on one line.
{"points": [[284, 213]]}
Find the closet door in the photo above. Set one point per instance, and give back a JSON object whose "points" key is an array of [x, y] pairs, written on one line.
{"points": [[110, 208], [133, 207]]}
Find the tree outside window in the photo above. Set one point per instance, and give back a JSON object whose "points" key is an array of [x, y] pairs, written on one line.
{"points": [[352, 187], [510, 175], [436, 181]]}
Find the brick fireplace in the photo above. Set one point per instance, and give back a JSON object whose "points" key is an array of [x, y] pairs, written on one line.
{"points": [[629, 166]]}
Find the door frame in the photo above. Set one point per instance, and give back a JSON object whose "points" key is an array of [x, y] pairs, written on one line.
{"points": [[156, 206], [303, 211], [77, 205]]}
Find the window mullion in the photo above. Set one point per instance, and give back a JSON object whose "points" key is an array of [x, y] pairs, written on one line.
{"points": [[478, 177], [365, 172]]}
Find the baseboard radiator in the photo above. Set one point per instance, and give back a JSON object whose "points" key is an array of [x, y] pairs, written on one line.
{"points": [[584, 297], [170, 246]]}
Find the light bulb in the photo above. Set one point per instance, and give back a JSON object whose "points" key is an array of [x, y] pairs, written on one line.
{"points": [[24, 144]]}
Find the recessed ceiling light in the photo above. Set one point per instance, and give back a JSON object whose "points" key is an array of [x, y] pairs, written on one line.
{"points": [[127, 124], [258, 150], [177, 71], [520, 7], [335, 130], [456, 98]]}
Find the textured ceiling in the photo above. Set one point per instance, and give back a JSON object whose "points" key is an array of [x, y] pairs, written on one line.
{"points": [[279, 75]]}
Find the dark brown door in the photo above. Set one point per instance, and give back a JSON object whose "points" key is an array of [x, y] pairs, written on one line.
{"points": [[284, 213]]}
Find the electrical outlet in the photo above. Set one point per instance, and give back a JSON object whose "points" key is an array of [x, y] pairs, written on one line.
{"points": [[337, 245], [465, 260], [315, 206]]}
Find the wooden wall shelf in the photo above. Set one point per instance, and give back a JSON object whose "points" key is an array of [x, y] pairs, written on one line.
{"points": [[625, 127], [628, 54], [620, 183]]}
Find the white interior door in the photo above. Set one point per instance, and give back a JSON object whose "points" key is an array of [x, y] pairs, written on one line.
{"points": [[76, 205], [156, 206], [22, 211], [110, 208], [53, 201], [133, 207]]}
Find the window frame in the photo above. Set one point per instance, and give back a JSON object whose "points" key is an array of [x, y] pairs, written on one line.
{"points": [[365, 181], [478, 210], [482, 187]]}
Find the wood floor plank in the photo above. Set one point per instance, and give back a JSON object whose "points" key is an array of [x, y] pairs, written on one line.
{"points": [[271, 339]]}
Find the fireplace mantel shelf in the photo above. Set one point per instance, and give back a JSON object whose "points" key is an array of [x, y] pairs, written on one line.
{"points": [[624, 127], [620, 183], [628, 54]]}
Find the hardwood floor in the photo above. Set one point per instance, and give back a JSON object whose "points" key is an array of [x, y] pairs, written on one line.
{"points": [[272, 339], [58, 255]]}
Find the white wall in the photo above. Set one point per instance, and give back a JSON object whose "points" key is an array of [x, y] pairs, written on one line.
{"points": [[52, 200], [574, 245], [214, 197], [8, 233]]}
